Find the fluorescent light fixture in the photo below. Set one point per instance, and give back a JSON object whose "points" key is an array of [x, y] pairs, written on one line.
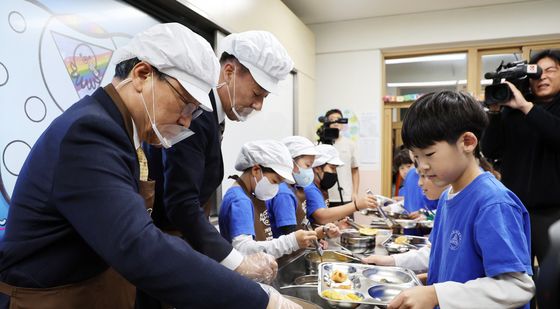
{"points": [[446, 57], [428, 84]]}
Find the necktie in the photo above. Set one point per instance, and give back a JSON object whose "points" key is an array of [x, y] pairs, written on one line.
{"points": [[143, 162]]}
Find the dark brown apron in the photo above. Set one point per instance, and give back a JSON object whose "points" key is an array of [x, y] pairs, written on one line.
{"points": [[261, 221], [300, 212], [106, 290]]}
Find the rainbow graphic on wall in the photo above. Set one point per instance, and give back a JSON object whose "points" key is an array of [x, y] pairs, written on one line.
{"points": [[85, 62]]}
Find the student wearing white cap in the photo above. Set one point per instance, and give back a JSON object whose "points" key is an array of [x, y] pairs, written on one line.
{"points": [[285, 209], [252, 64], [78, 229], [324, 168], [243, 216]]}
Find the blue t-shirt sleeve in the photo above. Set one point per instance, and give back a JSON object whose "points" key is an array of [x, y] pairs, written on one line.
{"points": [[241, 221], [314, 199], [284, 209], [501, 240], [413, 195]]}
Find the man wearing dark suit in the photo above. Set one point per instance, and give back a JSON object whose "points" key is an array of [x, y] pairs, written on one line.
{"points": [[77, 223], [252, 64]]}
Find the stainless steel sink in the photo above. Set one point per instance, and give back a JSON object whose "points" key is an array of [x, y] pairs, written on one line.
{"points": [[293, 266], [289, 268]]}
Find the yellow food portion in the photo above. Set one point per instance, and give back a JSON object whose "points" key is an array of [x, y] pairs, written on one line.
{"points": [[367, 231], [334, 295], [353, 297], [401, 240], [338, 276]]}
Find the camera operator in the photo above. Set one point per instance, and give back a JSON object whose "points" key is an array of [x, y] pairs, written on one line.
{"points": [[348, 175], [524, 133]]}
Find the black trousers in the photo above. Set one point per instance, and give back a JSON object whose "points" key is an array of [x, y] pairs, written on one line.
{"points": [[541, 220]]}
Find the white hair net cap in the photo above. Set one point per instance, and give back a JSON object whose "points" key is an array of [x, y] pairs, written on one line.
{"points": [[327, 154], [267, 153], [299, 146], [262, 53], [178, 52]]}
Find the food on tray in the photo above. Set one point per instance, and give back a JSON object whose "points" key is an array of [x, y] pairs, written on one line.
{"points": [[368, 231], [383, 280], [339, 276], [353, 297], [401, 240], [335, 295]]}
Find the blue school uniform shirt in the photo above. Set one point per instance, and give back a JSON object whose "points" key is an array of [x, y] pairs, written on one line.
{"points": [[236, 214], [3, 216], [314, 200], [282, 209], [413, 195], [483, 231]]}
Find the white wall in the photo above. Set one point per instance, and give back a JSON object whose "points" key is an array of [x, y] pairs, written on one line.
{"points": [[349, 54], [351, 81], [273, 16]]}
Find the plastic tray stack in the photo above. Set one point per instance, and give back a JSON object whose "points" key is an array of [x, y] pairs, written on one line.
{"points": [[374, 285]]}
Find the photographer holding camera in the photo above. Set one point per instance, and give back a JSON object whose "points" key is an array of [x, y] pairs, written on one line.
{"points": [[348, 182], [524, 133]]}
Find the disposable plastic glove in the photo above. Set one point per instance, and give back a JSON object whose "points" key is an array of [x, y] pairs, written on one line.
{"points": [[260, 267], [277, 301]]}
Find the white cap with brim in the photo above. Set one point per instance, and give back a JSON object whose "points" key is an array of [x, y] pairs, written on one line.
{"points": [[177, 51], [299, 146], [262, 54], [268, 153], [327, 155]]}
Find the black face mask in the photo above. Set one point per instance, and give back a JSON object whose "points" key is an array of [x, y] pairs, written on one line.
{"points": [[328, 181]]}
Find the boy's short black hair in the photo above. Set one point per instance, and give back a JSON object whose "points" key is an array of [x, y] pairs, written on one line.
{"points": [[402, 157], [442, 117], [333, 111], [553, 54]]}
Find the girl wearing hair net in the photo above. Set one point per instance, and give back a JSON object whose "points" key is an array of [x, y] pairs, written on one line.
{"points": [[324, 169], [243, 215], [285, 209]]}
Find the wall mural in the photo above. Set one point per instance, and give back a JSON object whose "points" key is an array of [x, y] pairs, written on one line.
{"points": [[58, 52]]}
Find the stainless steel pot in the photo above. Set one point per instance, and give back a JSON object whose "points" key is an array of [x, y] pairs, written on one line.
{"points": [[356, 242], [312, 260]]}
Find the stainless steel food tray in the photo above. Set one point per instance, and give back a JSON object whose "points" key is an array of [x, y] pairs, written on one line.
{"points": [[414, 242], [375, 285]]}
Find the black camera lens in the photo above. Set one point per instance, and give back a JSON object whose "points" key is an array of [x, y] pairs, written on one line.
{"points": [[496, 94]]}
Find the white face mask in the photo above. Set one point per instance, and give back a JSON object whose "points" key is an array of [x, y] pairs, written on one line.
{"points": [[305, 176], [265, 190], [168, 134], [245, 112]]}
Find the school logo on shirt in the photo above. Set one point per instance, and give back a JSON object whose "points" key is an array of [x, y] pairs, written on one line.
{"points": [[455, 240], [263, 217]]}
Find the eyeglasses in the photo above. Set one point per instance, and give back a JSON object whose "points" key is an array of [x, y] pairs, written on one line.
{"points": [[190, 108]]}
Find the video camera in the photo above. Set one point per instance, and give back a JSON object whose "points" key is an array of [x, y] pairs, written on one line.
{"points": [[517, 73], [328, 135]]}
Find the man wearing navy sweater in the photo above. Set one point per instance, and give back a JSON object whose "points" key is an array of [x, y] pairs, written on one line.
{"points": [[78, 234]]}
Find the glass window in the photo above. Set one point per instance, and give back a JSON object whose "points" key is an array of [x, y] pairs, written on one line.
{"points": [[418, 75]]}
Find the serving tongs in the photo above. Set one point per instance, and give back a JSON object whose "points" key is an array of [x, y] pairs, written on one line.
{"points": [[388, 220], [353, 224], [316, 244], [350, 254]]}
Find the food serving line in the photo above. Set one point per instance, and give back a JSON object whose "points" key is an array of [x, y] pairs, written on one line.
{"points": [[338, 279]]}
